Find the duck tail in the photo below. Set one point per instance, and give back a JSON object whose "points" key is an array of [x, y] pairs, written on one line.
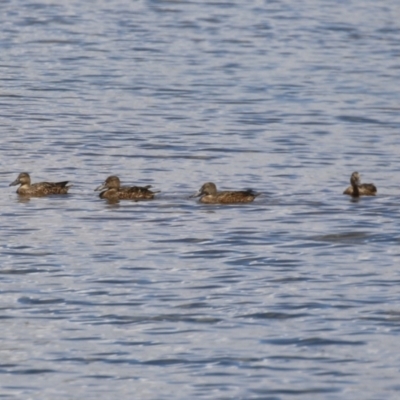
{"points": [[63, 184], [251, 192]]}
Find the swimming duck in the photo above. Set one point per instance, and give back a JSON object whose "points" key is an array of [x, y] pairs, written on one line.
{"points": [[38, 189], [112, 190], [210, 195], [356, 189]]}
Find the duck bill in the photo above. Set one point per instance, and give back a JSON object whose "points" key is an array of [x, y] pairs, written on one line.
{"points": [[198, 194], [15, 183], [101, 187]]}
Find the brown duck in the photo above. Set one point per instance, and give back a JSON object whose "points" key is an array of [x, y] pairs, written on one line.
{"points": [[38, 189], [210, 195], [112, 190], [360, 189]]}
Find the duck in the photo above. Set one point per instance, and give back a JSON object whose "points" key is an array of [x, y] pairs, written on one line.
{"points": [[360, 189], [209, 194], [40, 189], [111, 189]]}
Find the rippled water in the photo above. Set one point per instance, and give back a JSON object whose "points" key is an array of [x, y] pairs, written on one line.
{"points": [[296, 295]]}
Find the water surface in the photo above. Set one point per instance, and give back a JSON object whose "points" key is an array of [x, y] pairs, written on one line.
{"points": [[293, 296]]}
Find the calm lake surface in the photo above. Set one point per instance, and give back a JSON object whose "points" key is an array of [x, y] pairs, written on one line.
{"points": [[296, 295]]}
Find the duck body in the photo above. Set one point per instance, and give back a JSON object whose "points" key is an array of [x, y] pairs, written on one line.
{"points": [[209, 195], [40, 189], [111, 189], [357, 189]]}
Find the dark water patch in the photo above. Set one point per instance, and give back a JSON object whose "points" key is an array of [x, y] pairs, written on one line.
{"points": [[200, 319], [139, 269], [358, 119], [123, 282], [207, 287], [112, 319], [257, 120], [250, 261], [230, 150], [194, 305], [34, 371], [314, 306], [22, 271], [106, 303], [315, 341], [209, 254], [32, 301], [386, 318], [129, 343], [7, 366], [166, 362], [273, 315], [81, 338], [297, 392], [86, 361], [99, 376], [107, 257], [284, 263], [184, 240], [345, 237]]}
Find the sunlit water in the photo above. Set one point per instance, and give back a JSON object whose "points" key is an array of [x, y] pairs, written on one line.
{"points": [[296, 295]]}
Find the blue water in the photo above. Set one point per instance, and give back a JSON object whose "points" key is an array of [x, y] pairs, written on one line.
{"points": [[295, 295]]}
